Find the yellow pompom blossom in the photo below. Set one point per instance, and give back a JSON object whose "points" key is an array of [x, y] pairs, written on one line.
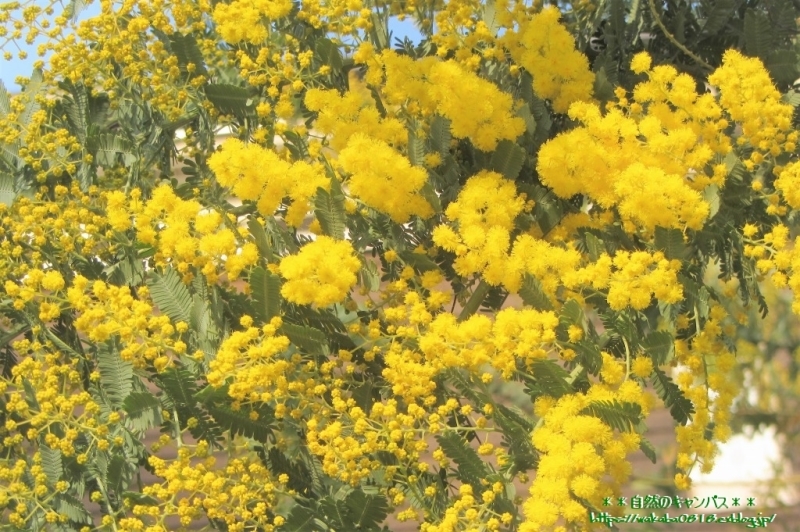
{"points": [[258, 174], [634, 283], [322, 273], [384, 179], [641, 62], [477, 109], [194, 479], [634, 159], [788, 183], [705, 378], [344, 116], [188, 237], [748, 95], [577, 452], [241, 21], [484, 211], [546, 49], [678, 204]]}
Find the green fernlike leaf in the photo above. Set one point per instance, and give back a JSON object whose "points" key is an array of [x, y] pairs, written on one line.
{"points": [[266, 292], [648, 449], [301, 519], [308, 339], [144, 411], [658, 345], [416, 147], [170, 295], [532, 294], [329, 209], [239, 421], [757, 34], [551, 379], [228, 99], [7, 193], [439, 135], [721, 11], [367, 511], [471, 469], [116, 375], [508, 159], [329, 54], [670, 241], [623, 416], [680, 407], [51, 464]]}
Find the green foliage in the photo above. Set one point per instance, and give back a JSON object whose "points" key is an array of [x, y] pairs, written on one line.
{"points": [[170, 294], [471, 469], [622, 416], [266, 289], [679, 406]]}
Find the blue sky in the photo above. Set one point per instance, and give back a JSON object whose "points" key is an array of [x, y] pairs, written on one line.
{"points": [[9, 70]]}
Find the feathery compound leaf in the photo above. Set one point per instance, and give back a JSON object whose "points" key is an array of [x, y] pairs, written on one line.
{"points": [[471, 469], [144, 411], [516, 435], [228, 99], [757, 34], [298, 473], [670, 241], [300, 519], [51, 464], [440, 135], [551, 379], [180, 386], [329, 54], [109, 145], [532, 294], [721, 12], [622, 416], [266, 292], [462, 383], [308, 339], [5, 101], [120, 473], [66, 504], [116, 375], [508, 159], [416, 147], [679, 406], [7, 193], [33, 88], [658, 346], [260, 236], [170, 294], [336, 513], [367, 511], [648, 449], [185, 48], [329, 210], [239, 422]]}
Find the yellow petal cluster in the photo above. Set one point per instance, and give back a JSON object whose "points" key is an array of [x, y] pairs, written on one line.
{"points": [[751, 99], [577, 452], [384, 179], [239, 21], [546, 49], [477, 108], [257, 174], [342, 116], [322, 273]]}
